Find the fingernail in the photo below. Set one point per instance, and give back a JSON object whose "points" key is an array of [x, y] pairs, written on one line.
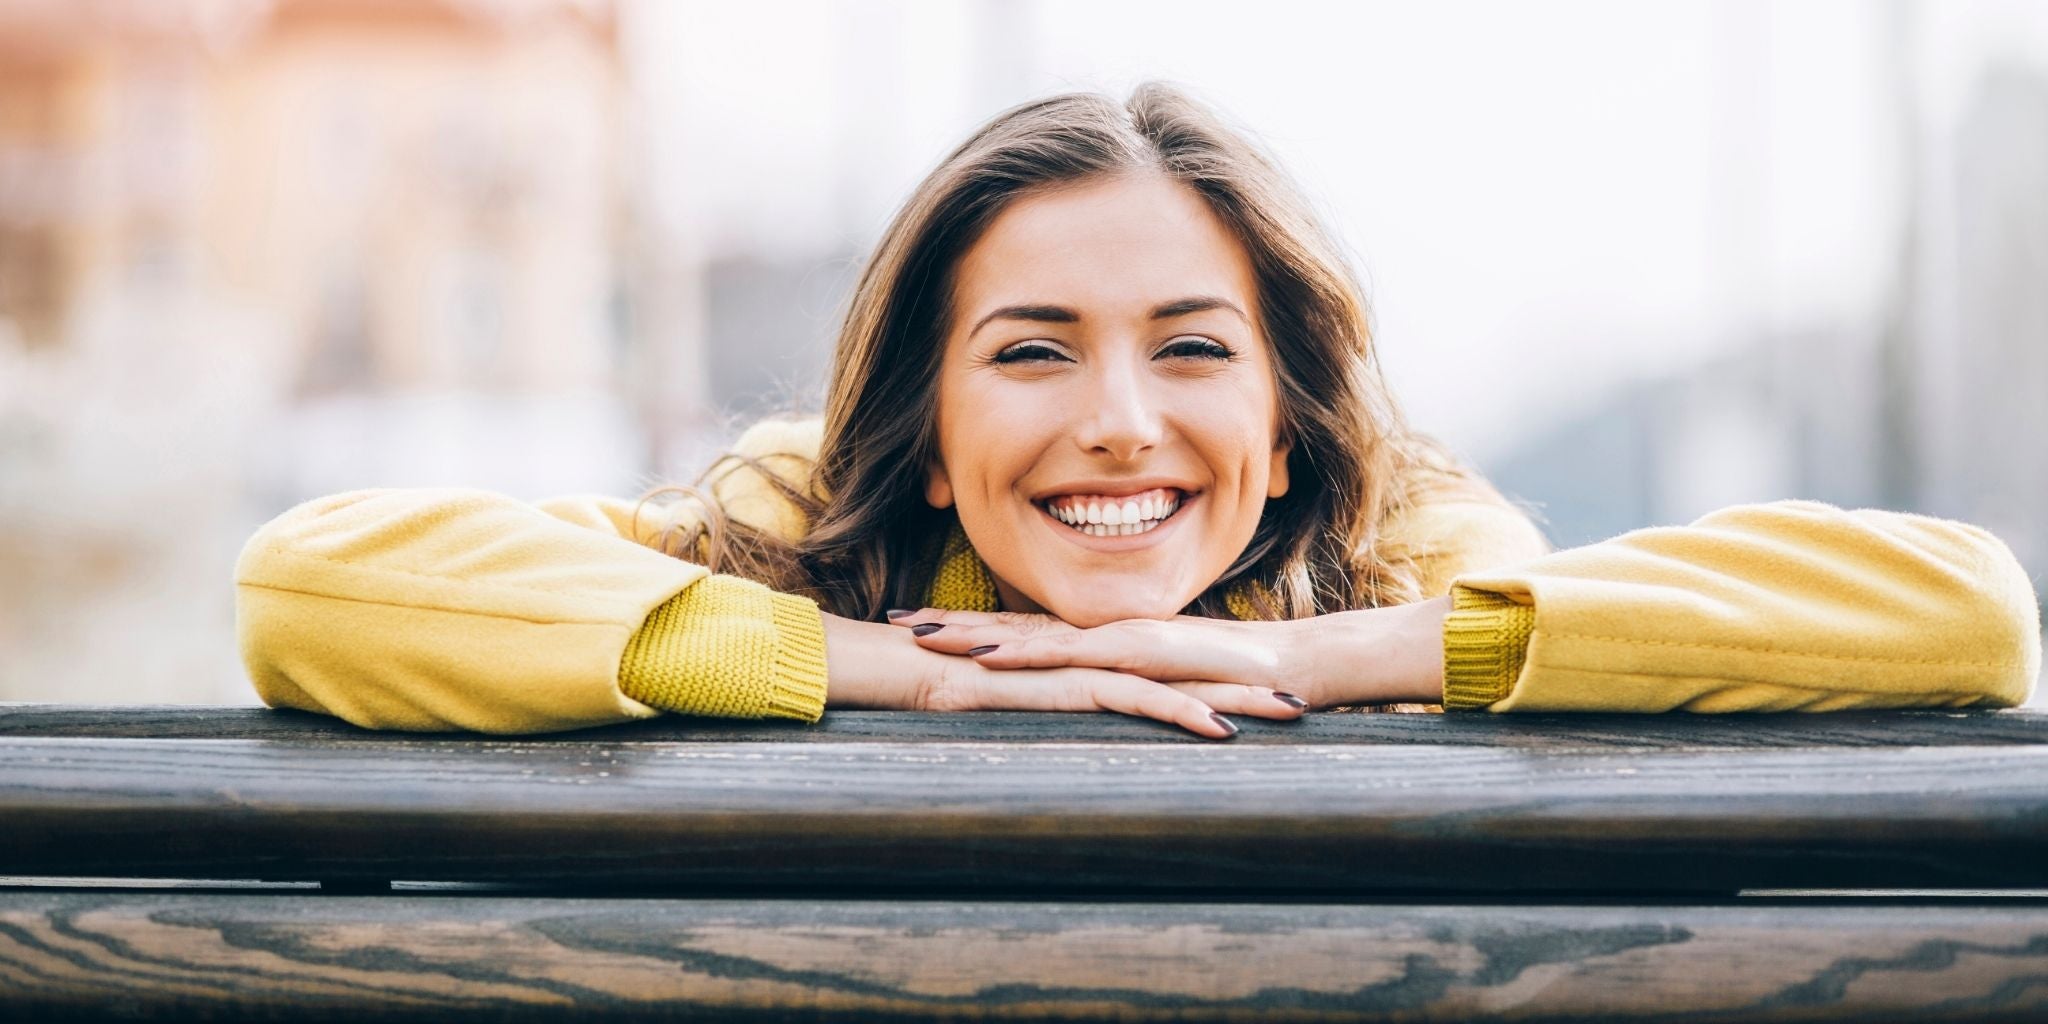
{"points": [[1290, 700], [897, 613], [984, 649], [1224, 722], [927, 628]]}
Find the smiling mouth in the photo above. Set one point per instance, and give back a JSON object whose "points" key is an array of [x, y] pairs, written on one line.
{"points": [[1110, 518]]}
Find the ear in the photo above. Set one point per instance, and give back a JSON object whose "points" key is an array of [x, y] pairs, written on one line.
{"points": [[938, 488], [1276, 478]]}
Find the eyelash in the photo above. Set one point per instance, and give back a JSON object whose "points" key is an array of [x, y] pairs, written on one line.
{"points": [[1209, 350]]}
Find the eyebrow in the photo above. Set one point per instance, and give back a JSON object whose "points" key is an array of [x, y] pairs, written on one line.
{"points": [[1197, 304], [1050, 314]]}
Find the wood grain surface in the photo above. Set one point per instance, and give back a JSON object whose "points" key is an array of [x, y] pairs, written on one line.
{"points": [[1543, 732], [841, 817], [399, 958], [888, 866]]}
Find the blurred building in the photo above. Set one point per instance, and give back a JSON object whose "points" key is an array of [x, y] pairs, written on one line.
{"points": [[422, 194], [1932, 394], [234, 232]]}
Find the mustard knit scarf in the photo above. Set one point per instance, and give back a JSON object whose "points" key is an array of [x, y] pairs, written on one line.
{"points": [[963, 582]]}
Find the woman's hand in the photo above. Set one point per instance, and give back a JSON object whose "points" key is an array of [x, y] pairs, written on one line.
{"points": [[1371, 656], [873, 665]]}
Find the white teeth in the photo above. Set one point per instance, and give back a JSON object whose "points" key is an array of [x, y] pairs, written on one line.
{"points": [[1116, 519], [1119, 530]]}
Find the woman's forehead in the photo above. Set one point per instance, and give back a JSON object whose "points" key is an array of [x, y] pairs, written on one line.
{"points": [[1117, 247]]}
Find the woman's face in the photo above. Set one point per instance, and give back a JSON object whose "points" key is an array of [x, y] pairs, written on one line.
{"points": [[1105, 366]]}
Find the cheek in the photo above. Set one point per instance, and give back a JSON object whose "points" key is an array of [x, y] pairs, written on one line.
{"points": [[1233, 439], [992, 436]]}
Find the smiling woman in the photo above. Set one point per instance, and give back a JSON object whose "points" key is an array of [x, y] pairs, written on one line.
{"points": [[1105, 432]]}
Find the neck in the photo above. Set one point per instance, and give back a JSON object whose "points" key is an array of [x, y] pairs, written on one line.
{"points": [[1010, 599]]}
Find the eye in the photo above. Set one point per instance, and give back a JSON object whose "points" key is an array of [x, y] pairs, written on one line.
{"points": [[1027, 352], [1202, 348]]}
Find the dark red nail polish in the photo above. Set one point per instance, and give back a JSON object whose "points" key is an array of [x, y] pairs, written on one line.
{"points": [[1224, 722], [1290, 700], [927, 628], [897, 613], [984, 649]]}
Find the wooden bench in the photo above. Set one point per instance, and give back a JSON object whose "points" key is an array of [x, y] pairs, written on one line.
{"points": [[229, 863]]}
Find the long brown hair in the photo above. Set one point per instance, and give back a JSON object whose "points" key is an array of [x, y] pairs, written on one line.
{"points": [[870, 537]]}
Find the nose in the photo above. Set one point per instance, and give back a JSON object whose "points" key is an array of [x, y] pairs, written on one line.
{"points": [[1122, 417]]}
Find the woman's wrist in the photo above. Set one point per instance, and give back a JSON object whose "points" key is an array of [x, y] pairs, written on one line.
{"points": [[1392, 655], [860, 674]]}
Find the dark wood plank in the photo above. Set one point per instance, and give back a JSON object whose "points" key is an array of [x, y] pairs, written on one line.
{"points": [[1537, 732], [398, 958], [1334, 818]]}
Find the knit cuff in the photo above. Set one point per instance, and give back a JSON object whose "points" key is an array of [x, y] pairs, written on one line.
{"points": [[799, 681], [731, 648], [1486, 639]]}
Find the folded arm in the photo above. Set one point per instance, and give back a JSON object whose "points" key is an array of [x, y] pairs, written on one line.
{"points": [[1786, 606], [432, 610]]}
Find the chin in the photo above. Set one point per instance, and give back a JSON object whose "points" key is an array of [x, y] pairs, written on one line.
{"points": [[1096, 611]]}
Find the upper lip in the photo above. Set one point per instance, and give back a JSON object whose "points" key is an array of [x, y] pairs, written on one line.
{"points": [[1112, 488]]}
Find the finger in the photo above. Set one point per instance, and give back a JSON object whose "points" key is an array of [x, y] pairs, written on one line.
{"points": [[1234, 699], [915, 616], [1230, 697], [1084, 689], [1208, 649], [1116, 691], [956, 638]]}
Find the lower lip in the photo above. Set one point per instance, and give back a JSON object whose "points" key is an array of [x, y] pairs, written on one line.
{"points": [[1127, 542]]}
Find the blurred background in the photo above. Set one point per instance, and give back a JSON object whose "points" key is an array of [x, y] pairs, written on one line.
{"points": [[1637, 261]]}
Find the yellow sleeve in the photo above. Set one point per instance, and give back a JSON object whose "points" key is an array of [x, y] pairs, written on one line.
{"points": [[731, 648], [466, 610], [1787, 606]]}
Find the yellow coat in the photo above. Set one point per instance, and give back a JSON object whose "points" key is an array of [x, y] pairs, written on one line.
{"points": [[431, 609]]}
